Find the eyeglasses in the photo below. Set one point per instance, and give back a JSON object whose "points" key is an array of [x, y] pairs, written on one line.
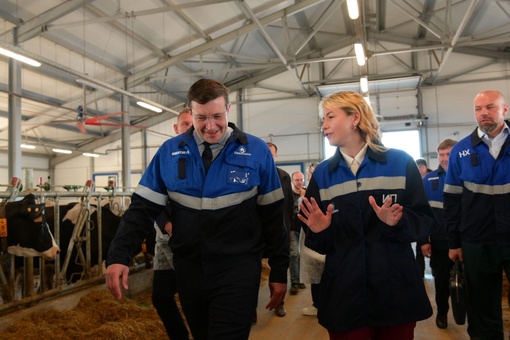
{"points": [[204, 118], [299, 179]]}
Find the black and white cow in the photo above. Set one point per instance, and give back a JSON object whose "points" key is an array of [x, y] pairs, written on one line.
{"points": [[69, 217], [28, 234]]}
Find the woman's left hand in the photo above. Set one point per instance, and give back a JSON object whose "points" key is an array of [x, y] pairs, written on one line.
{"points": [[388, 213]]}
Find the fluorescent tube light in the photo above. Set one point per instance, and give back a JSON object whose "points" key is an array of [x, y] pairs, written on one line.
{"points": [[352, 8], [363, 84], [149, 107], [19, 57], [360, 53], [94, 85], [27, 146], [62, 151], [88, 154]]}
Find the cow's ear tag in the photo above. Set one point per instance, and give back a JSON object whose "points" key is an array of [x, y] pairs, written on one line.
{"points": [[3, 227], [36, 210], [29, 209]]}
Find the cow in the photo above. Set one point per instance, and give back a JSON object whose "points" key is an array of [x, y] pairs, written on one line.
{"points": [[69, 216], [27, 237], [28, 234]]}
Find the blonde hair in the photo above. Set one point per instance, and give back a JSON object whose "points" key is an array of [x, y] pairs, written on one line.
{"points": [[351, 102]]}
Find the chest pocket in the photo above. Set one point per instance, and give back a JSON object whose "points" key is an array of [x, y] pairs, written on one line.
{"points": [[242, 172], [477, 167], [179, 172]]}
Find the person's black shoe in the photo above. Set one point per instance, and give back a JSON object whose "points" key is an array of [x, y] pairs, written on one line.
{"points": [[301, 285], [442, 321], [280, 311], [294, 289]]}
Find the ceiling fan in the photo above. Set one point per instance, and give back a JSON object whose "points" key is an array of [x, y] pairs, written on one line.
{"points": [[81, 122], [98, 120]]}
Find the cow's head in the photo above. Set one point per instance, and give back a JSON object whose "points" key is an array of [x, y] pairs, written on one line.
{"points": [[28, 232]]}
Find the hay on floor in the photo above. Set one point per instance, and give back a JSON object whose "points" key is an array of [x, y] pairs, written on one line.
{"points": [[98, 315]]}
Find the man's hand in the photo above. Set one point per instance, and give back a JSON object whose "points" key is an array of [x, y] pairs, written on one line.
{"points": [[168, 228], [454, 254], [277, 291], [426, 250], [115, 274]]}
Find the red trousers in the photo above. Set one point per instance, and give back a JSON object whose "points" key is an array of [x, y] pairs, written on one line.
{"points": [[402, 332]]}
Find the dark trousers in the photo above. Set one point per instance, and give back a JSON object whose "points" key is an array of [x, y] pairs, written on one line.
{"points": [[420, 259], [441, 266], [218, 302], [315, 293], [484, 267], [164, 288]]}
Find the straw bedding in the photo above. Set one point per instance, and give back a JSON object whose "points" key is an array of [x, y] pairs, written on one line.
{"points": [[97, 316]]}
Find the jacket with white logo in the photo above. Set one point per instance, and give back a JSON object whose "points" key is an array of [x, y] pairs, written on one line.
{"points": [[434, 185], [232, 214], [477, 194], [371, 277]]}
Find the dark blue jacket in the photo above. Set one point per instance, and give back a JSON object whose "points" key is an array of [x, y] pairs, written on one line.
{"points": [[371, 277], [434, 185], [477, 194], [232, 214]]}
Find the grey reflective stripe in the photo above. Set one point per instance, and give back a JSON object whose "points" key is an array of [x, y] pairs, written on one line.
{"points": [[205, 203], [488, 189], [148, 194], [436, 204], [270, 197], [452, 189], [374, 183]]}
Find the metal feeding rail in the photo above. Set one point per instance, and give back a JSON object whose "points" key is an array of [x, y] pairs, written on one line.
{"points": [[80, 235]]}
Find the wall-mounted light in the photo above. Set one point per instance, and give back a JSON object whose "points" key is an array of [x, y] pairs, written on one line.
{"points": [[62, 151], [360, 53], [27, 146], [352, 8], [19, 57], [88, 154], [149, 106], [363, 84], [94, 85]]}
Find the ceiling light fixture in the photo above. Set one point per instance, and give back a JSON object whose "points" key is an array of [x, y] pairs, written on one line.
{"points": [[352, 7], [62, 151], [27, 146], [363, 84], [88, 154], [19, 57], [360, 53], [94, 85], [149, 106]]}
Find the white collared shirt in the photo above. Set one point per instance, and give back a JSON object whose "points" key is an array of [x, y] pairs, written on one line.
{"points": [[354, 163], [495, 143]]}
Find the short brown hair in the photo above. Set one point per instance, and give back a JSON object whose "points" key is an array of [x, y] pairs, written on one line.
{"points": [[205, 90], [269, 144], [446, 143]]}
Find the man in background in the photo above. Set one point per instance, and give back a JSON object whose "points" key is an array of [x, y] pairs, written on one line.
{"points": [[476, 211], [298, 180], [164, 285], [288, 207], [436, 246]]}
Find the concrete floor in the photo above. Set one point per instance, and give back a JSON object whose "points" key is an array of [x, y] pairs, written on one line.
{"points": [[296, 326]]}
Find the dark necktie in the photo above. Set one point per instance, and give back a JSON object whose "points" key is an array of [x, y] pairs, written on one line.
{"points": [[207, 156]]}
